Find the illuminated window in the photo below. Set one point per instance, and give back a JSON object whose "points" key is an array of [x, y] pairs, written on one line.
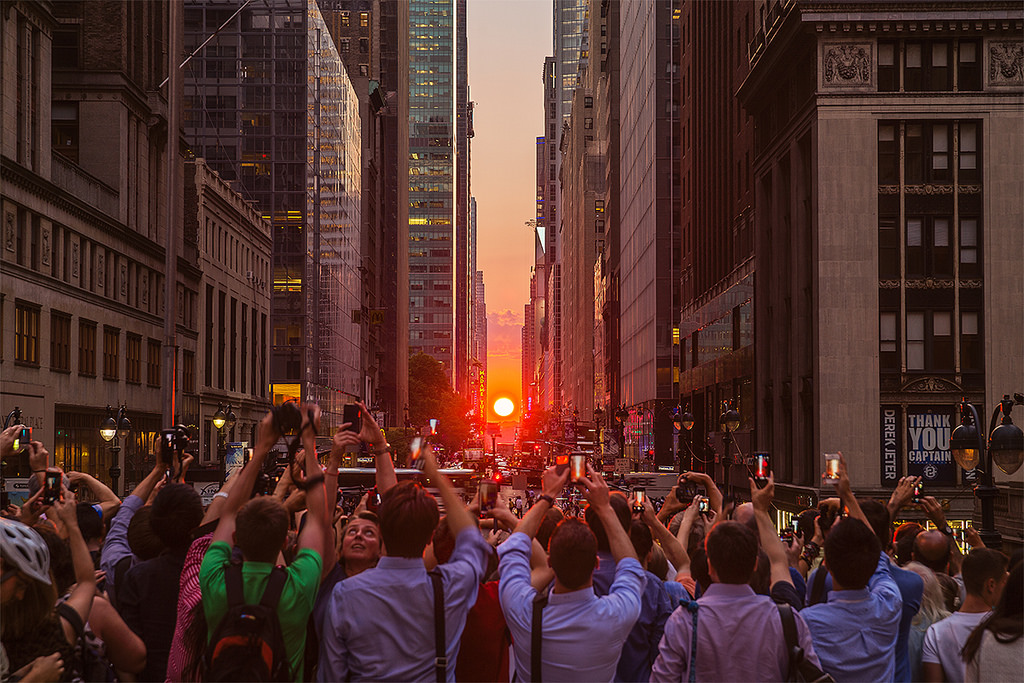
{"points": [[26, 333]]}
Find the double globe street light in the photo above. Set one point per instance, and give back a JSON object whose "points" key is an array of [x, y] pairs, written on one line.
{"points": [[1005, 447], [115, 429], [222, 419], [683, 420]]}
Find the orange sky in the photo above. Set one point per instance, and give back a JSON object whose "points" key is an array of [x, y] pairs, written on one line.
{"points": [[508, 41]]}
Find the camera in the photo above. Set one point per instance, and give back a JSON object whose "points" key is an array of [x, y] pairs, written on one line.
{"points": [[686, 491], [288, 418], [352, 415], [762, 468], [173, 443], [51, 486], [269, 474], [22, 437]]}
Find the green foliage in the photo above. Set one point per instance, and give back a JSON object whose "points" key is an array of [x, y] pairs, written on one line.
{"points": [[431, 396]]}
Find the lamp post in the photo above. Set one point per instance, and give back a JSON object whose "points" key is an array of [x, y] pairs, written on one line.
{"points": [[730, 422], [114, 429], [683, 420], [599, 446], [1005, 446], [221, 419], [13, 417], [621, 415]]}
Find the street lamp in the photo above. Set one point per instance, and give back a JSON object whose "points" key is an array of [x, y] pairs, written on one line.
{"points": [[221, 419], [115, 429], [730, 422], [13, 417], [1005, 447], [684, 420]]}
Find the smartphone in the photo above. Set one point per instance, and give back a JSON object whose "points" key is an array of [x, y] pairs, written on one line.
{"points": [[351, 413], [168, 475], [168, 446], [373, 500], [561, 462], [415, 452], [488, 495], [918, 491], [786, 535], [686, 491], [577, 466], [51, 486], [641, 498], [703, 506], [22, 437], [762, 468], [832, 467]]}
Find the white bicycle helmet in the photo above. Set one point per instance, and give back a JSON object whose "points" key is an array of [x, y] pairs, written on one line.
{"points": [[23, 547]]}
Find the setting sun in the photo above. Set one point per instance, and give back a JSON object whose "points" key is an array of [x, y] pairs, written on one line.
{"points": [[504, 407]]}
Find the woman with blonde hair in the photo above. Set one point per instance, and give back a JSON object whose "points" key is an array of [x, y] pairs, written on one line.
{"points": [[933, 609]]}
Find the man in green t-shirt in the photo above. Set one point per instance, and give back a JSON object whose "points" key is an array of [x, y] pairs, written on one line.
{"points": [[259, 528]]}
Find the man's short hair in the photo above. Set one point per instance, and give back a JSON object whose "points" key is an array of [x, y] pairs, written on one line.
{"points": [[408, 516], [547, 525], [621, 508], [933, 549], [261, 529], [572, 552], [732, 552], [851, 553], [90, 522], [177, 511], [641, 538], [878, 518], [980, 565], [144, 543]]}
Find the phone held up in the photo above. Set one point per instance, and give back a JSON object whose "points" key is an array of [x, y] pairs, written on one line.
{"points": [[577, 466], [373, 500], [488, 496], [641, 497], [51, 486], [762, 468], [22, 437], [918, 491], [416, 447], [703, 506], [832, 467], [352, 415]]}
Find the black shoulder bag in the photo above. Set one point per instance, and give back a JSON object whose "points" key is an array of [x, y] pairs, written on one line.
{"points": [[540, 601], [440, 638], [799, 668]]}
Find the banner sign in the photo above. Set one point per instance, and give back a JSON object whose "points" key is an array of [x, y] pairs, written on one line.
{"points": [[892, 462], [928, 455]]}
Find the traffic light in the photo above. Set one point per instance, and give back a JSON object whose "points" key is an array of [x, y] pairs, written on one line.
{"points": [[497, 476]]}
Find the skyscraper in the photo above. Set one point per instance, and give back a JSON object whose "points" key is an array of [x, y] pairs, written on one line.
{"points": [[269, 104], [438, 185]]}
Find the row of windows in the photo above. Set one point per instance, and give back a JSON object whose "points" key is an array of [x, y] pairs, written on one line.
{"points": [[928, 150], [929, 343], [221, 246], [236, 344], [928, 66], [27, 336]]}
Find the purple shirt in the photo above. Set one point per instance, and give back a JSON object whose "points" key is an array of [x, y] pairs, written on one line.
{"points": [[739, 638]]}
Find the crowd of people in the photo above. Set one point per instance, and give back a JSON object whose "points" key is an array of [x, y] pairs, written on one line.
{"points": [[286, 586]]}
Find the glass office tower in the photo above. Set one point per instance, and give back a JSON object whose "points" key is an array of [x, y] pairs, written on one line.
{"points": [[269, 105]]}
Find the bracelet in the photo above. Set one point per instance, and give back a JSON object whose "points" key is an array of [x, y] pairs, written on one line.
{"points": [[386, 449], [810, 552], [220, 494], [549, 499]]}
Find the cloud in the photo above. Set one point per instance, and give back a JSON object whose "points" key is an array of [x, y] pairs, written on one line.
{"points": [[505, 318]]}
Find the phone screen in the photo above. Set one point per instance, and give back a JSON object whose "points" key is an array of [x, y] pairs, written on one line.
{"points": [[762, 468], [488, 495], [415, 452], [641, 497], [918, 490], [351, 413], [51, 486], [22, 437], [577, 466], [703, 506]]}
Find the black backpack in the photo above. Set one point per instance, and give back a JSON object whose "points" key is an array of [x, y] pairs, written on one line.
{"points": [[247, 644], [88, 664]]}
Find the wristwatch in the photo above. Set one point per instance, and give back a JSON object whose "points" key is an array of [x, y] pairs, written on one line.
{"points": [[549, 499], [948, 530], [385, 449]]}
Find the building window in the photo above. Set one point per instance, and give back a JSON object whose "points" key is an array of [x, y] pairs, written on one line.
{"points": [[64, 129], [364, 19], [67, 47], [970, 254], [970, 342], [928, 247], [60, 341], [968, 66], [133, 366], [343, 45], [153, 365], [915, 341], [588, 101], [888, 154], [968, 162], [888, 245], [111, 343], [930, 341], [888, 79], [188, 372], [345, 20], [26, 333], [888, 344], [926, 66], [87, 348]]}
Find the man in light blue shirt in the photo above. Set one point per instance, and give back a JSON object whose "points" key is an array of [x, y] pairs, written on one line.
{"points": [[855, 631], [582, 634], [380, 623]]}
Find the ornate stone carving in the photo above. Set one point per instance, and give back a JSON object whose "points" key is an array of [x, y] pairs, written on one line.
{"points": [[931, 283], [971, 284], [969, 189], [847, 64], [929, 189], [9, 231], [101, 273], [44, 249], [888, 189], [144, 286], [74, 259], [124, 279], [888, 284], [1006, 63], [928, 385]]}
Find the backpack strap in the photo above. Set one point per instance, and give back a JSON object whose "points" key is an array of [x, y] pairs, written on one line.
{"points": [[692, 606], [540, 601], [818, 587], [72, 616], [440, 637], [233, 583], [798, 663], [275, 585]]}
